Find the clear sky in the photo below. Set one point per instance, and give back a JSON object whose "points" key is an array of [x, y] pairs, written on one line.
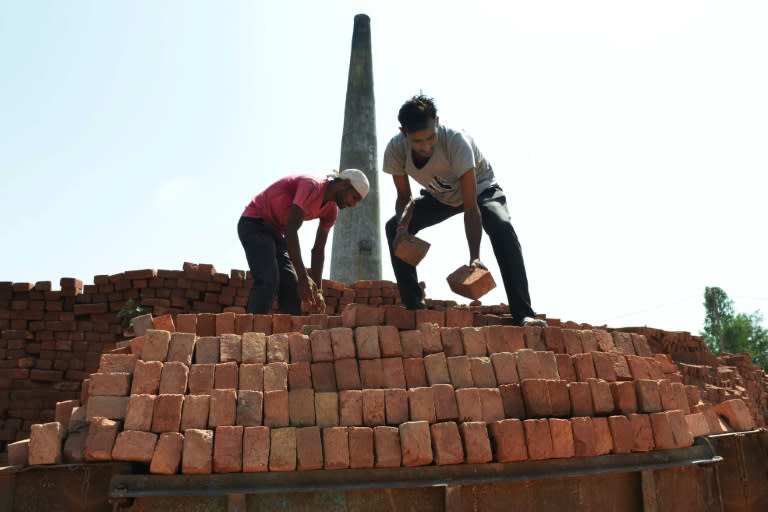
{"points": [[631, 138]]}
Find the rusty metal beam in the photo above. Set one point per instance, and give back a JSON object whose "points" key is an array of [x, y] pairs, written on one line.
{"points": [[131, 485]]}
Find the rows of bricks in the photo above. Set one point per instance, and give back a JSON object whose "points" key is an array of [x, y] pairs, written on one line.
{"points": [[266, 381], [238, 448]]}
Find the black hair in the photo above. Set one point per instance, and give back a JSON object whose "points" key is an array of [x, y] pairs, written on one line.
{"points": [[416, 113]]}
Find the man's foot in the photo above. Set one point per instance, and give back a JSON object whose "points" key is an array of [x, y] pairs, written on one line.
{"points": [[529, 321]]}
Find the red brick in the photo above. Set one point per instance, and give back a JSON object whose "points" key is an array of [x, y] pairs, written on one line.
{"points": [[562, 438], [536, 398], [620, 366], [301, 407], [282, 455], [389, 341], [336, 447], [431, 341], [112, 363], [281, 323], [482, 372], [262, 324], [207, 350], [309, 449], [450, 338], [230, 348], [323, 376], [680, 431], [603, 438], [737, 414], [139, 412], [648, 397], [697, 424], [604, 366], [373, 407], [411, 249], [350, 408], [421, 404], [276, 409], [581, 399], [181, 347], [186, 322], [538, 439], [372, 373], [167, 413], [278, 348], [585, 369], [327, 408], [469, 405], [411, 343], [584, 441], [491, 404], [639, 367], [460, 372], [624, 397], [663, 438], [621, 434], [299, 347], [173, 379], [436, 369], [471, 282], [642, 432], [399, 317], [512, 399], [416, 443], [320, 346], [473, 341], [553, 340], [361, 451], [559, 398], [602, 399], [367, 342], [528, 365], [446, 444], [275, 376], [505, 367], [134, 446], [156, 346], [194, 412], [572, 342], [347, 374], [387, 447], [415, 373], [430, 316], [112, 407], [508, 440], [446, 408], [354, 315], [101, 439], [166, 458], [45, 443], [532, 336], [201, 378], [243, 323], [251, 376], [256, 444], [393, 372], [109, 384], [254, 347], [604, 340]]}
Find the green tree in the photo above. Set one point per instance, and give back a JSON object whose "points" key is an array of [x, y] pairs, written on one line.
{"points": [[725, 330]]}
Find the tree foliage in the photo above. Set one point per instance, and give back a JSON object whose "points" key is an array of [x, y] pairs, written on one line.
{"points": [[725, 330]]}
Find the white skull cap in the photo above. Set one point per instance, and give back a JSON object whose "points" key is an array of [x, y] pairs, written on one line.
{"points": [[357, 179]]}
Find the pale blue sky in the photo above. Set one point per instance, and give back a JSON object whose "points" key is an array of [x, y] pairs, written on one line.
{"points": [[630, 137]]}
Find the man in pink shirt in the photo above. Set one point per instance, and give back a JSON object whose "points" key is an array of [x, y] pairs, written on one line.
{"points": [[268, 230]]}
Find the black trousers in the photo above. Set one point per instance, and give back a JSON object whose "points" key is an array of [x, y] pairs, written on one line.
{"points": [[497, 224], [271, 268]]}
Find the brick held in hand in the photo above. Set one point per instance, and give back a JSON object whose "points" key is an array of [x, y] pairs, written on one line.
{"points": [[411, 249], [471, 282]]}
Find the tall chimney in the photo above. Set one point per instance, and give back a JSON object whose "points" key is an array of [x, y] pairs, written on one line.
{"points": [[356, 252]]}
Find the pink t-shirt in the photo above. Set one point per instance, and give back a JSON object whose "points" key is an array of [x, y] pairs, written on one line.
{"points": [[273, 203]]}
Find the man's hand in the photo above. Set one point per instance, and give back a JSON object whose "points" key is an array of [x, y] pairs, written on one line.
{"points": [[476, 263], [319, 305], [307, 289], [401, 231]]}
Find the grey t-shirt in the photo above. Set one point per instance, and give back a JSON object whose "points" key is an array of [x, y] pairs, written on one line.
{"points": [[454, 154]]}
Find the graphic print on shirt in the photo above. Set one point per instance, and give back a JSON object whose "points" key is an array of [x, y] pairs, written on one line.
{"points": [[439, 185]]}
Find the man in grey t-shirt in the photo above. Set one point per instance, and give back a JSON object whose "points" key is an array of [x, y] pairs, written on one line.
{"points": [[456, 178]]}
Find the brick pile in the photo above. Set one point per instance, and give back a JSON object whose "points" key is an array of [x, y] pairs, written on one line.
{"points": [[367, 391]]}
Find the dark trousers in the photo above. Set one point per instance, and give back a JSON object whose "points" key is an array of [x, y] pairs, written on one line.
{"points": [[428, 211], [271, 268]]}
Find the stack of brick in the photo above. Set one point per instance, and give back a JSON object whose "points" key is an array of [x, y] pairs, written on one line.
{"points": [[369, 394]]}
